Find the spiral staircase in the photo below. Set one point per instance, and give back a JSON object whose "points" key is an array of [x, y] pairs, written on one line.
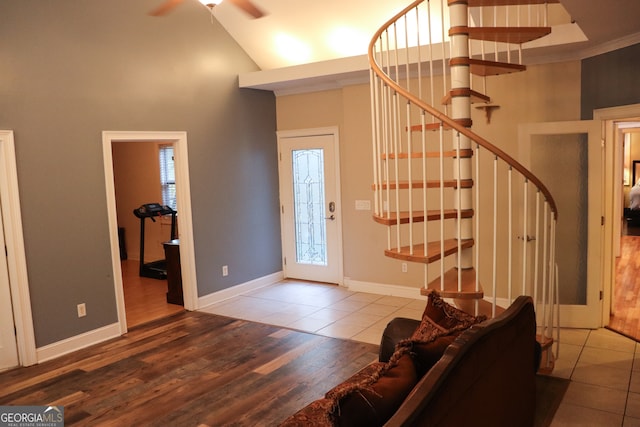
{"points": [[481, 224]]}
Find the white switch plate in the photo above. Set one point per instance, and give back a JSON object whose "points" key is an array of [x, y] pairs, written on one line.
{"points": [[363, 205]]}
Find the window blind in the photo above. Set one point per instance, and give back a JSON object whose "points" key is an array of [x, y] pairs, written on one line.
{"points": [[167, 175]]}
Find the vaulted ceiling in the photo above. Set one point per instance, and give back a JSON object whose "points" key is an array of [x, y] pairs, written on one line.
{"points": [[308, 40]]}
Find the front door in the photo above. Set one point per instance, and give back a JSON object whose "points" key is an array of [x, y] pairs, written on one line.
{"points": [[310, 205], [567, 157], [8, 346]]}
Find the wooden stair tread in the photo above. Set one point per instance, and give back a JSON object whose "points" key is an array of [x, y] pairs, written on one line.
{"points": [[448, 288], [545, 342], [515, 35], [432, 254], [417, 184], [484, 68], [418, 216], [482, 3], [474, 95], [547, 361], [464, 154]]}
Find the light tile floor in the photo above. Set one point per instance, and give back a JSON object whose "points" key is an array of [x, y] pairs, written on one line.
{"points": [[604, 367]]}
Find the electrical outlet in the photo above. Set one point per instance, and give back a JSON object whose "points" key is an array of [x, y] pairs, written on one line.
{"points": [[404, 267], [225, 270], [82, 310]]}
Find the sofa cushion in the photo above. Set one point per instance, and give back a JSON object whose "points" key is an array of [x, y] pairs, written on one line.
{"points": [[371, 396], [368, 398], [440, 325], [440, 316]]}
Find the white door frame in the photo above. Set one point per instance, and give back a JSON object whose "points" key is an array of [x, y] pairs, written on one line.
{"points": [[16, 258], [334, 132], [185, 224], [579, 316], [612, 198]]}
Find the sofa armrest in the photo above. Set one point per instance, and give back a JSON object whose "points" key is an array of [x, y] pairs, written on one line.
{"points": [[397, 330]]}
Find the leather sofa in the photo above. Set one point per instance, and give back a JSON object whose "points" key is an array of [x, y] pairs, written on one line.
{"points": [[450, 369]]}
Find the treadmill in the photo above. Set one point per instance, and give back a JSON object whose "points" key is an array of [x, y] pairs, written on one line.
{"points": [[154, 269]]}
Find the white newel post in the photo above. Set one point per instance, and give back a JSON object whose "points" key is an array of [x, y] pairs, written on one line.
{"points": [[461, 111]]}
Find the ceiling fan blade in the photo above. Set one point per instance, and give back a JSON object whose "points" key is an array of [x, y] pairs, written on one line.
{"points": [[249, 7], [165, 7]]}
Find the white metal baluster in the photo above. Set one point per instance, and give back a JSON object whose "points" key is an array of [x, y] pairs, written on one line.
{"points": [[477, 218], [545, 266], [406, 51], [495, 236], [419, 49], [536, 261], [444, 54], [431, 77], [425, 227], [552, 277], [441, 206], [483, 54], [374, 140], [520, 44], [410, 173], [495, 24], [525, 236], [510, 237], [506, 13], [459, 211], [397, 168], [387, 135], [556, 325]]}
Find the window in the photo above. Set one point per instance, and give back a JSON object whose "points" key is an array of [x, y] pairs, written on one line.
{"points": [[167, 175]]}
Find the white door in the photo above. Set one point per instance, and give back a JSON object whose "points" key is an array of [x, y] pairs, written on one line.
{"points": [[310, 205], [8, 346], [567, 157]]}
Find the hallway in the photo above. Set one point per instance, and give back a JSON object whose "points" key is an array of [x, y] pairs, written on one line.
{"points": [[625, 310]]}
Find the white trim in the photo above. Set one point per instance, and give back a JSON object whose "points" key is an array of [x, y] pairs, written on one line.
{"points": [[185, 224], [240, 289], [612, 212], [588, 315], [77, 342], [16, 258], [383, 289]]}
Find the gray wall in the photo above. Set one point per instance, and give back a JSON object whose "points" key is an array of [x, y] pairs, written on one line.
{"points": [[70, 69], [610, 80]]}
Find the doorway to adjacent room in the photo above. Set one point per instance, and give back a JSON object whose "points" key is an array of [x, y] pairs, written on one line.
{"points": [[127, 307]]}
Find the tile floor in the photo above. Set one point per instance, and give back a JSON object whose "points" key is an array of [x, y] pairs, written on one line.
{"points": [[604, 367]]}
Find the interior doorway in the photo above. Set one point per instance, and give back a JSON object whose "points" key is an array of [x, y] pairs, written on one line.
{"points": [[139, 169], [178, 140], [625, 300], [621, 309]]}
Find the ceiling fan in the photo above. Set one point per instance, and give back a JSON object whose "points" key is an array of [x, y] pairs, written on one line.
{"points": [[245, 5]]}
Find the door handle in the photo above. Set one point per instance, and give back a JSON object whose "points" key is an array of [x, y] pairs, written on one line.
{"points": [[331, 218]]}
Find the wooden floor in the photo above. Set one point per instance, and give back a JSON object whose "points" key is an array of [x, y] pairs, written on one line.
{"points": [[625, 315], [145, 299], [191, 369]]}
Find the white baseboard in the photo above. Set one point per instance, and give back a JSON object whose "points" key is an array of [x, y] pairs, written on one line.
{"points": [[383, 289], [240, 289], [77, 342]]}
